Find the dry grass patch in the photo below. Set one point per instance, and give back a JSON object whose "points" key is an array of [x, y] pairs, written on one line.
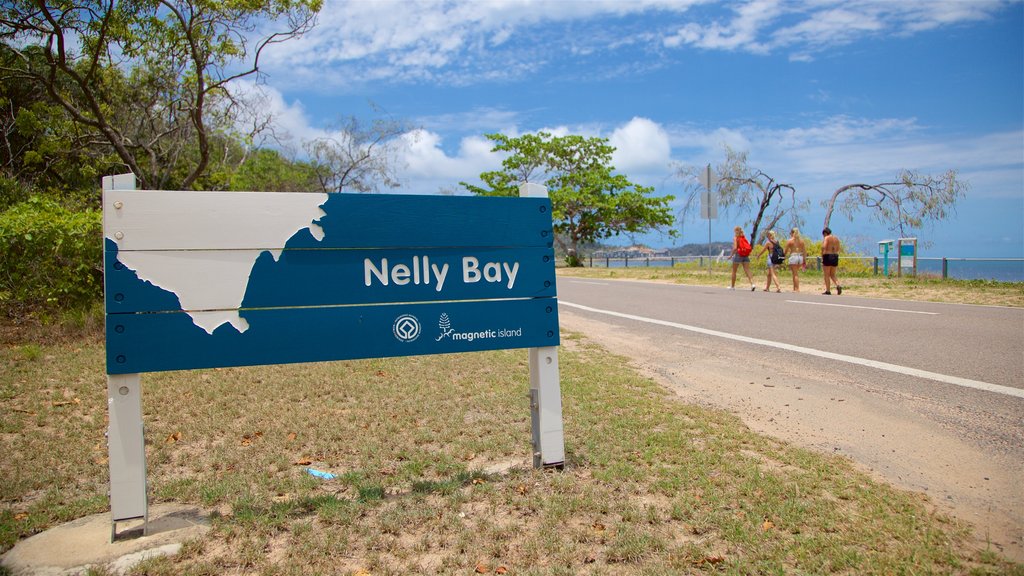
{"points": [[423, 449], [983, 292]]}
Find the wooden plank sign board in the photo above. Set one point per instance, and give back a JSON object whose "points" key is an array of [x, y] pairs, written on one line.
{"points": [[213, 279]]}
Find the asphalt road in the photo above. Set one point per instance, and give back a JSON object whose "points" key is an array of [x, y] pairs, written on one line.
{"points": [[973, 342], [927, 395]]}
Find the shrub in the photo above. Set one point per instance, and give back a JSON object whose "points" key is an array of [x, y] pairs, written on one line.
{"points": [[50, 257]]}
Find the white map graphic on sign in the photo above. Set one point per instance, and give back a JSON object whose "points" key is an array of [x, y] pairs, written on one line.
{"points": [[211, 283]]}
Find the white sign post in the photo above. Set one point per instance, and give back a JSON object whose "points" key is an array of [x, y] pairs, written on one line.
{"points": [[708, 203], [545, 390]]}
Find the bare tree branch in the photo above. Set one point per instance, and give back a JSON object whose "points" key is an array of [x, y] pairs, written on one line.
{"points": [[904, 204]]}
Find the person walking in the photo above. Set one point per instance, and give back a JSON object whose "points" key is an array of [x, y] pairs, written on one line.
{"points": [[776, 255], [741, 255], [830, 261], [796, 252]]}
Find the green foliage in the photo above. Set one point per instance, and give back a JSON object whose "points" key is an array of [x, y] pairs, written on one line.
{"points": [[850, 263], [149, 82], [268, 171], [12, 192], [588, 201], [50, 257]]}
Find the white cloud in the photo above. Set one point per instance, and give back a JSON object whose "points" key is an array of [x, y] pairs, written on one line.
{"points": [[640, 145], [448, 41], [762, 26], [742, 32], [426, 160], [463, 42]]}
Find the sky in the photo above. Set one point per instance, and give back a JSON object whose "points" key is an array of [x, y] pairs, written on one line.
{"points": [[818, 93]]}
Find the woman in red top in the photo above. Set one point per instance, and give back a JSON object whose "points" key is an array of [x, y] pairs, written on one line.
{"points": [[737, 259]]}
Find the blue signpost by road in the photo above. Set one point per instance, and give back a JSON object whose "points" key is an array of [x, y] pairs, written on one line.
{"points": [[214, 279]]}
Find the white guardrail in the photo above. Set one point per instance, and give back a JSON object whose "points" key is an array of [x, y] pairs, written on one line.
{"points": [[1004, 269]]}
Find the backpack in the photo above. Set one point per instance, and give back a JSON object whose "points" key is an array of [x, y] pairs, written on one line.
{"points": [[743, 246], [778, 253]]}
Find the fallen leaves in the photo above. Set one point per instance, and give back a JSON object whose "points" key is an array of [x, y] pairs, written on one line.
{"points": [[303, 462], [716, 559], [173, 438], [248, 439], [768, 525]]}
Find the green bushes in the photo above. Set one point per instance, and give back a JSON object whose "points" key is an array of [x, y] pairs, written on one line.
{"points": [[50, 258]]}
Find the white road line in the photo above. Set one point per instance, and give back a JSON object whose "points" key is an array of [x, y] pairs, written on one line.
{"points": [[863, 307], [955, 380]]}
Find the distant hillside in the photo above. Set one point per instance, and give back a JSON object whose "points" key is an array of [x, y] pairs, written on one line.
{"points": [[685, 250], [700, 249]]}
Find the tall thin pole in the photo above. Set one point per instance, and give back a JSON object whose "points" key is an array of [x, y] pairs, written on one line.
{"points": [[709, 247]]}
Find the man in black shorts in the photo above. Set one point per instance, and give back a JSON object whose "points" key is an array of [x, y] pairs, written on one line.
{"points": [[830, 261]]}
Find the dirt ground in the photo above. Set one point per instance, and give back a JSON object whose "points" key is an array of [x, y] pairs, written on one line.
{"points": [[904, 441]]}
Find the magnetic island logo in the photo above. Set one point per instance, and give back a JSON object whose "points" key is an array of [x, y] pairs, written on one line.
{"points": [[444, 324], [406, 328]]}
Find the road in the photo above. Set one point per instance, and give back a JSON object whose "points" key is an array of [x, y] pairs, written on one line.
{"points": [[927, 396]]}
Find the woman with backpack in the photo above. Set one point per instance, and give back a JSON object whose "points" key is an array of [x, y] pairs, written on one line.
{"points": [[776, 256], [741, 255]]}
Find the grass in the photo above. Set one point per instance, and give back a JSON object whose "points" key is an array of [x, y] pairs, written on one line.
{"points": [[432, 462], [862, 283]]}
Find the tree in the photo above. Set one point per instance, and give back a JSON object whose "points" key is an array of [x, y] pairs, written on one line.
{"points": [[588, 201], [358, 157], [748, 190], [268, 170], [41, 149], [904, 204], [149, 78]]}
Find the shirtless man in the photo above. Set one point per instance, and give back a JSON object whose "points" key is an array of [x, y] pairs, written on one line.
{"points": [[830, 261]]}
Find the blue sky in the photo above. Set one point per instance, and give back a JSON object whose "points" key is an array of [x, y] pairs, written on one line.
{"points": [[820, 93]]}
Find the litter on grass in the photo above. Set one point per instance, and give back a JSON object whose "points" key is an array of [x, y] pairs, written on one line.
{"points": [[320, 474]]}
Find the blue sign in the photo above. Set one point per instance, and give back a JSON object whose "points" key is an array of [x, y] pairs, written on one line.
{"points": [[204, 279]]}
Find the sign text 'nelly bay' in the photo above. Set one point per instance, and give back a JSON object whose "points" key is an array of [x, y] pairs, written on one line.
{"points": [[420, 270]]}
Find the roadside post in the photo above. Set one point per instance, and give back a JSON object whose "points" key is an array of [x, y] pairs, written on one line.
{"points": [[198, 279], [709, 203], [907, 254], [884, 247]]}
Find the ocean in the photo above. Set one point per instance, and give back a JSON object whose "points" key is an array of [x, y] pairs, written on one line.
{"points": [[1001, 269]]}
